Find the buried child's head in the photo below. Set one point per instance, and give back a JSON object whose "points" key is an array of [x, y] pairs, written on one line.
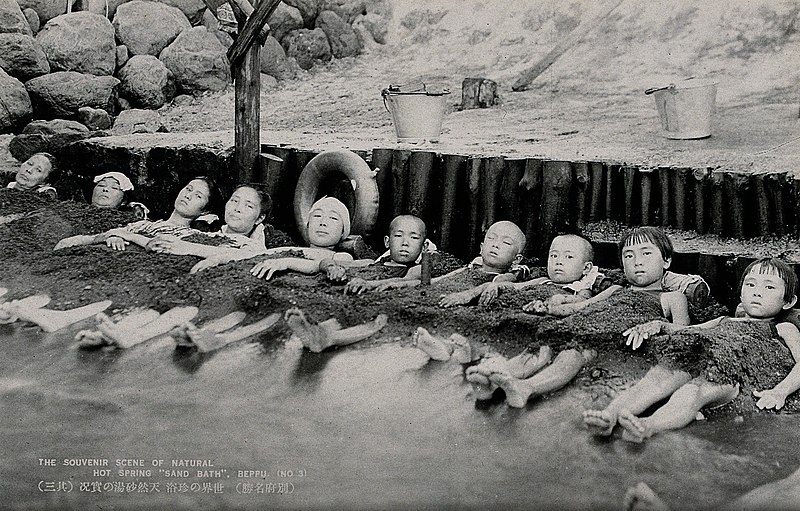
{"points": [[328, 223], [768, 287], [569, 259], [502, 245], [406, 238], [646, 253]]}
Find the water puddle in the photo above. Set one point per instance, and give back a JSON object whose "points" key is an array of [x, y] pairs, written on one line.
{"points": [[356, 428]]}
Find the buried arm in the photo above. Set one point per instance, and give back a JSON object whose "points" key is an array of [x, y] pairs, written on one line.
{"points": [[776, 397]]}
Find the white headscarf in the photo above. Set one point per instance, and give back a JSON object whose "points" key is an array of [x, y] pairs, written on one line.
{"points": [[124, 183], [337, 206]]}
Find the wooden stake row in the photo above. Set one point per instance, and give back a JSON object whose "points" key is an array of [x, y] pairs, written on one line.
{"points": [[459, 196]]}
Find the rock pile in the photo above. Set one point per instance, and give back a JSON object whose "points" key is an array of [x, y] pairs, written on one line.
{"points": [[87, 66]]}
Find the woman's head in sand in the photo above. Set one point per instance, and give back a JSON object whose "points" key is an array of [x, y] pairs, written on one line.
{"points": [[328, 223], [194, 199], [406, 238], [569, 259], [109, 189], [768, 287], [502, 245], [35, 171], [247, 207], [646, 253]]}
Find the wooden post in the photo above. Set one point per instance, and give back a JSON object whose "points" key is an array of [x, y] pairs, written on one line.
{"points": [[475, 203], [629, 178], [581, 209], [478, 93], [247, 100], [666, 194], [556, 184], [244, 57], [595, 210], [763, 226], [680, 191], [421, 167], [531, 190], [647, 192], [454, 166], [735, 186], [700, 190], [492, 179], [717, 203], [511, 206], [775, 191], [399, 181]]}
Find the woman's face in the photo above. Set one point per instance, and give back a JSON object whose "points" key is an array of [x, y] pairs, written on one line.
{"points": [[325, 227], [193, 199], [243, 210], [33, 172], [107, 193]]}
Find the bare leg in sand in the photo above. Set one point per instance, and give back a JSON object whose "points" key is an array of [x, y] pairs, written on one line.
{"points": [[329, 332], [783, 494], [440, 348], [679, 411], [524, 365], [657, 384], [564, 368], [215, 335]]}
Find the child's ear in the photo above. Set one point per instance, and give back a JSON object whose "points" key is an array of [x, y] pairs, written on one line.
{"points": [[517, 259], [386, 241], [667, 263], [788, 305], [587, 267]]}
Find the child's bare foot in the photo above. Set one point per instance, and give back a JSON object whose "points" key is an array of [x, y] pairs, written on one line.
{"points": [[463, 352], [516, 394], [310, 335], [636, 429], [600, 422], [642, 498], [526, 364], [435, 347]]}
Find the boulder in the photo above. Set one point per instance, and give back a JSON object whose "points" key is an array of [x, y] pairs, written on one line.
{"points": [[210, 20], [268, 82], [17, 109], [46, 9], [137, 121], [348, 10], [192, 9], [12, 21], [94, 118], [33, 20], [61, 94], [308, 10], [343, 39], [283, 20], [122, 55], [46, 136], [198, 61], [80, 41], [224, 38], [146, 28], [22, 57], [123, 104], [372, 26], [183, 99], [307, 47], [274, 61], [113, 5], [146, 82]]}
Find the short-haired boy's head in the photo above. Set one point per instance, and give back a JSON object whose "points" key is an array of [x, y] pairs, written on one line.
{"points": [[776, 267], [328, 222], [569, 258], [502, 245], [647, 233], [406, 238]]}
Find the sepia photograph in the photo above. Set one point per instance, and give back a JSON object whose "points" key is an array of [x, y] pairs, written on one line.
{"points": [[399, 255]]}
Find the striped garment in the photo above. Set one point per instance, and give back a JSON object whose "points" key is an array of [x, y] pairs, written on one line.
{"points": [[159, 228]]}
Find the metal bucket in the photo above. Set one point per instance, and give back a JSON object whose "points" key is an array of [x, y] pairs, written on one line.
{"points": [[686, 109], [417, 114]]}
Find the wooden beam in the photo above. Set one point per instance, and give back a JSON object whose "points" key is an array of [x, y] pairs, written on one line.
{"points": [[251, 31], [247, 100], [574, 37]]}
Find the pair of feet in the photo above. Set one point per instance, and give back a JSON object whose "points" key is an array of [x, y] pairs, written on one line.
{"points": [[499, 372], [602, 423], [457, 347]]}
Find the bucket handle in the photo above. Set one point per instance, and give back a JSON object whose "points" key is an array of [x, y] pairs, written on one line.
{"points": [[420, 88], [656, 89]]}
